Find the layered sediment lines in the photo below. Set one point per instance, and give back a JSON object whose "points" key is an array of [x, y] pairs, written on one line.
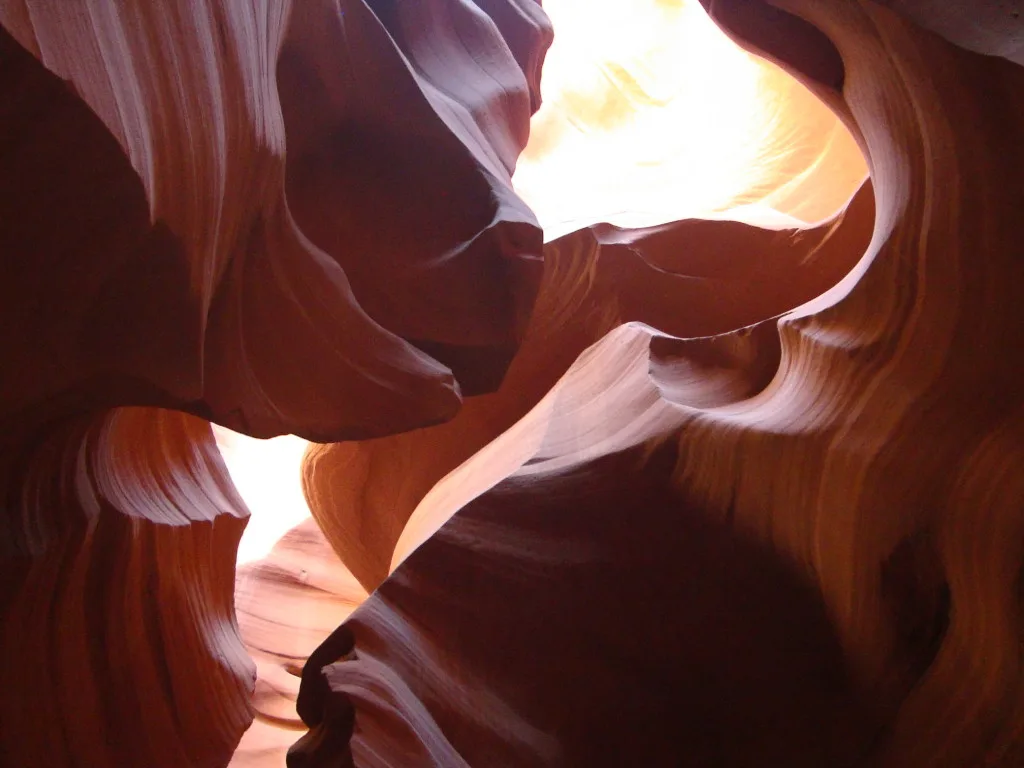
{"points": [[690, 279], [705, 493], [281, 218], [287, 604], [852, 507], [119, 643], [227, 173]]}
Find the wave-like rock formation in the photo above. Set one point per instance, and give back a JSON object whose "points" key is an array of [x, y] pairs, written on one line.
{"points": [[797, 543], [284, 218], [692, 278], [699, 494], [204, 146], [119, 643], [287, 603]]}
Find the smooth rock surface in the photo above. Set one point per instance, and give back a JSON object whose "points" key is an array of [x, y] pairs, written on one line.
{"points": [[855, 466], [706, 493]]}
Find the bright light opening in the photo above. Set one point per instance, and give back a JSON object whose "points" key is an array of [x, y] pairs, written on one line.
{"points": [[267, 474], [651, 114]]}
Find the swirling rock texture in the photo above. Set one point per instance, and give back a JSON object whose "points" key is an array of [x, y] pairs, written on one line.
{"points": [[119, 640], [173, 246], [287, 604], [796, 542], [700, 494], [693, 278], [178, 112]]}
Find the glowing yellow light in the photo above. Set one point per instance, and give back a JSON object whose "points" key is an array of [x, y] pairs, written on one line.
{"points": [[267, 474], [651, 114]]}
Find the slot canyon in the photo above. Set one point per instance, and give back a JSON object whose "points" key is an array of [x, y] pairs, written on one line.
{"points": [[369, 399]]}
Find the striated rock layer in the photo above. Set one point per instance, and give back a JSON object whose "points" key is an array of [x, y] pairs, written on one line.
{"points": [[700, 494], [119, 643], [798, 543], [218, 228], [287, 603], [692, 278], [208, 208]]}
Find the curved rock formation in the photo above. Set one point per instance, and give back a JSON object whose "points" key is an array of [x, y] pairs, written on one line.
{"points": [[199, 233], [991, 27], [715, 495], [874, 467], [162, 252], [287, 603], [119, 643], [691, 278]]}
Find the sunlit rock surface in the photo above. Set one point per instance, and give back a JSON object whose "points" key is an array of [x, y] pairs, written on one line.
{"points": [[845, 441], [690, 279], [287, 603], [712, 492], [175, 237]]}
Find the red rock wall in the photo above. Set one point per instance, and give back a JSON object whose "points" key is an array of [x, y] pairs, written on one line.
{"points": [[703, 495], [662, 556], [119, 642], [189, 196]]}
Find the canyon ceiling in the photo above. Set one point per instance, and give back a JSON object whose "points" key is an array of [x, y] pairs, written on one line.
{"points": [[740, 485]]}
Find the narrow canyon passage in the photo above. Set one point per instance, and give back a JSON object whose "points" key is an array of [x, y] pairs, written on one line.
{"points": [[631, 132], [472, 383]]}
